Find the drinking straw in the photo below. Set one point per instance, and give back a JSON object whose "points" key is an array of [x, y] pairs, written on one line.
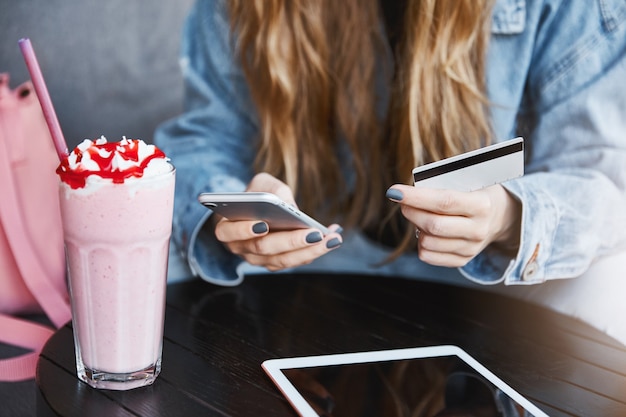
{"points": [[44, 98]]}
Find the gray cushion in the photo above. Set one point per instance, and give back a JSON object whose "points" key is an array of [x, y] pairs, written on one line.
{"points": [[111, 66]]}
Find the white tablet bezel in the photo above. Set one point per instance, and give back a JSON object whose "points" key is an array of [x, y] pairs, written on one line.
{"points": [[274, 369]]}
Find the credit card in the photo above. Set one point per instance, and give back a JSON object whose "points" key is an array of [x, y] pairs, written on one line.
{"points": [[476, 169]]}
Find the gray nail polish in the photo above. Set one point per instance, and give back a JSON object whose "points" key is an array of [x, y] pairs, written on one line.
{"points": [[260, 227], [313, 237], [333, 243], [394, 194]]}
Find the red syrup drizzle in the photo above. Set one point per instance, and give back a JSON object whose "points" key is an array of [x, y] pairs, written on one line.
{"points": [[129, 152]]}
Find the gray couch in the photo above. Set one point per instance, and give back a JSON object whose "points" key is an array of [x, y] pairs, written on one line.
{"points": [[111, 67]]}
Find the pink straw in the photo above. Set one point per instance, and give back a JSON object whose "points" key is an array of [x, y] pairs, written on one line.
{"points": [[44, 98]]}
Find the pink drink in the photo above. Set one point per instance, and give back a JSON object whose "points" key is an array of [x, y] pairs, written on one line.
{"points": [[117, 221]]}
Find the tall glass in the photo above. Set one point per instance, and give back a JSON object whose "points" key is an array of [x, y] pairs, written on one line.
{"points": [[116, 240]]}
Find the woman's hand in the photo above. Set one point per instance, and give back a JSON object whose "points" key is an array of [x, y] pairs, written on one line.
{"points": [[255, 243], [456, 226]]}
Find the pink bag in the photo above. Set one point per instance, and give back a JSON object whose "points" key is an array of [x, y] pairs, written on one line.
{"points": [[32, 260]]}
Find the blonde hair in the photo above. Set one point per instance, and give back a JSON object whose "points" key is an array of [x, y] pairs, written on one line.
{"points": [[312, 67]]}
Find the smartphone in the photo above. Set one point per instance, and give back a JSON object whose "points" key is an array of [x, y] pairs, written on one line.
{"points": [[260, 206]]}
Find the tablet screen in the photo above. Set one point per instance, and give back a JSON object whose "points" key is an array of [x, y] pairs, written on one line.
{"points": [[422, 382]]}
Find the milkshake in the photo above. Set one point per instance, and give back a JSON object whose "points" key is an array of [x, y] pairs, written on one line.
{"points": [[116, 206]]}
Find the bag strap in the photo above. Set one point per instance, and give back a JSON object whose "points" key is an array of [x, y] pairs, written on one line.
{"points": [[24, 334]]}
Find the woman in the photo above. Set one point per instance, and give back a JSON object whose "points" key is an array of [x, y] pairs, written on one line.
{"points": [[335, 102]]}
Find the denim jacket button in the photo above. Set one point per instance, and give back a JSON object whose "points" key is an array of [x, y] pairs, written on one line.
{"points": [[530, 271]]}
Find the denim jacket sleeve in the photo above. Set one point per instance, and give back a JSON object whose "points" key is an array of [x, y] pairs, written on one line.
{"points": [[557, 72], [211, 143]]}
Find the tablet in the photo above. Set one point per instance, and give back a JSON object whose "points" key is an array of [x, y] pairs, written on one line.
{"points": [[433, 381]]}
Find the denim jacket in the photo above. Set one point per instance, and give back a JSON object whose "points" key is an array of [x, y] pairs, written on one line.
{"points": [[556, 75]]}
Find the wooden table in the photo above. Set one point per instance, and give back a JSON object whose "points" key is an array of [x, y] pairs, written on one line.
{"points": [[217, 337]]}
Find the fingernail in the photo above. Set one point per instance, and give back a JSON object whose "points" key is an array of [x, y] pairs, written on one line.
{"points": [[333, 243], [339, 230], [260, 227], [394, 194], [313, 237]]}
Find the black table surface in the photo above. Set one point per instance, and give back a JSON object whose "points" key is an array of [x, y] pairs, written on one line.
{"points": [[217, 337]]}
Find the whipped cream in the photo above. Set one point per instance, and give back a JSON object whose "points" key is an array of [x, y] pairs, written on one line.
{"points": [[119, 162]]}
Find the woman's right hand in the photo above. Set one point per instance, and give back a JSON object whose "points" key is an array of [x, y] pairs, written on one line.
{"points": [[274, 250]]}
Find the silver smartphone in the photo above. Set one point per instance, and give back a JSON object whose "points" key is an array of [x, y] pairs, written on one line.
{"points": [[260, 206]]}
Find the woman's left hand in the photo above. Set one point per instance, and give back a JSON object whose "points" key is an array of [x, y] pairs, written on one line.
{"points": [[455, 226]]}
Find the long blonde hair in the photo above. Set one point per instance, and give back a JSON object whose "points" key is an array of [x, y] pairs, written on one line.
{"points": [[312, 67]]}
